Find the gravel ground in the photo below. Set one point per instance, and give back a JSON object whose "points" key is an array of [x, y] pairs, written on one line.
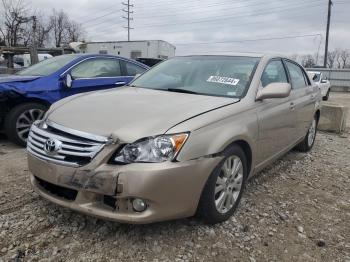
{"points": [[298, 209]]}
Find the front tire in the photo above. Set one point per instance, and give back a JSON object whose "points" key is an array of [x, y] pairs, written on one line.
{"points": [[224, 187], [19, 120], [309, 140]]}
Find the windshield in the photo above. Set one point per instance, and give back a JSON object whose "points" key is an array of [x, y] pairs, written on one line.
{"points": [[317, 77], [207, 75], [47, 66]]}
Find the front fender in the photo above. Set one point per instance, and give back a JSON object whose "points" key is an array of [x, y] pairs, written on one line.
{"points": [[215, 137]]}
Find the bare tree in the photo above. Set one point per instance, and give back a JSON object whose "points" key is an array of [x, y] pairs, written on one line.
{"points": [[19, 26], [59, 23], [332, 57], [344, 57], [75, 31], [37, 32], [294, 57], [15, 17], [308, 61]]}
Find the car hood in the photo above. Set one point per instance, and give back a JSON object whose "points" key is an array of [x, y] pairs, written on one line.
{"points": [[130, 113], [17, 78]]}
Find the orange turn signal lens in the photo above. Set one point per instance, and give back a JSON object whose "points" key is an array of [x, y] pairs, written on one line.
{"points": [[178, 141]]}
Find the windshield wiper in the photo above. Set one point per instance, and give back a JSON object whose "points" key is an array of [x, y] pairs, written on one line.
{"points": [[180, 90]]}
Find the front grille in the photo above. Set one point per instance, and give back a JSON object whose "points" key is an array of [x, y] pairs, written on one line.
{"points": [[75, 148]]}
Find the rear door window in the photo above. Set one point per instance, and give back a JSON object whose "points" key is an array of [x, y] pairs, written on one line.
{"points": [[296, 75]]}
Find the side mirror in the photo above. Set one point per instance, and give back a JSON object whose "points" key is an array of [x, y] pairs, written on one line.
{"points": [[314, 78], [68, 80], [274, 90]]}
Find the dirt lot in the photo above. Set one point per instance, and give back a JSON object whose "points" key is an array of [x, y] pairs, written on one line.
{"points": [[296, 210]]}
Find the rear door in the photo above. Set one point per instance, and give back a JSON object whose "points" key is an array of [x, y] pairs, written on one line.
{"points": [[276, 118], [97, 74], [303, 97]]}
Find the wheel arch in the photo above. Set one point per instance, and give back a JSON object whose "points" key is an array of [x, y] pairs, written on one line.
{"points": [[318, 115], [245, 146], [20, 100], [26, 100]]}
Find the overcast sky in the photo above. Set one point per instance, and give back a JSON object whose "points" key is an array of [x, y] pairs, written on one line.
{"points": [[183, 22]]}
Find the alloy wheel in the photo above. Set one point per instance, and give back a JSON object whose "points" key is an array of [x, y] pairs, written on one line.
{"points": [[311, 133], [228, 184], [25, 120]]}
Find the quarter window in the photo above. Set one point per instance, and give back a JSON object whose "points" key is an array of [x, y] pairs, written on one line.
{"points": [[133, 69], [93, 68], [296, 75], [274, 73]]}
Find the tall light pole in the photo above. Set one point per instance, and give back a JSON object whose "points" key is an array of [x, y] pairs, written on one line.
{"points": [[128, 18], [327, 33]]}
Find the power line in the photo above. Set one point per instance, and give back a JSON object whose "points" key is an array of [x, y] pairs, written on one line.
{"points": [[193, 4], [182, 11], [128, 18], [91, 18], [98, 17], [96, 12], [224, 8], [233, 16], [250, 40], [259, 22], [311, 3]]}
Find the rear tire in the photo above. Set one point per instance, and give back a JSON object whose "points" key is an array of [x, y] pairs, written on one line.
{"points": [[325, 98], [223, 189], [309, 140], [19, 120]]}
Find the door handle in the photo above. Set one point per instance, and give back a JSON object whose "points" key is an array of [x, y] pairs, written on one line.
{"points": [[292, 106], [120, 83], [312, 96]]}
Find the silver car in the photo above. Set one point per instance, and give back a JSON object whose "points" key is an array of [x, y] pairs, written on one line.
{"points": [[181, 140]]}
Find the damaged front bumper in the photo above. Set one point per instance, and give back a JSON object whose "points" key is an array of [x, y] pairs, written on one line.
{"points": [[170, 190]]}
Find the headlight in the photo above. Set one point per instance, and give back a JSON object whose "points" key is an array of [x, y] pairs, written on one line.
{"points": [[152, 149]]}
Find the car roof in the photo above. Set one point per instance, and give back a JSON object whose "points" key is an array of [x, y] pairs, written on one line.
{"points": [[226, 55], [235, 54], [83, 55]]}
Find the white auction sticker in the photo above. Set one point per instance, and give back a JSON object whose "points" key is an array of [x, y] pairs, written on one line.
{"points": [[223, 80]]}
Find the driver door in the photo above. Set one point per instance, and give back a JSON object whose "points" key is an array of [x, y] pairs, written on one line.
{"points": [[276, 116], [96, 74]]}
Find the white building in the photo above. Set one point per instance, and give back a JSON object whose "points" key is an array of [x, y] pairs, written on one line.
{"points": [[132, 49]]}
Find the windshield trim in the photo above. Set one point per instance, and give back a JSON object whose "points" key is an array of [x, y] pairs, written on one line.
{"points": [[197, 94], [249, 83]]}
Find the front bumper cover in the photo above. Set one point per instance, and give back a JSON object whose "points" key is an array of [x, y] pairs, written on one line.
{"points": [[170, 189]]}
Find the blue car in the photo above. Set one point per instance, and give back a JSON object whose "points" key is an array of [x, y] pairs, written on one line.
{"points": [[25, 96]]}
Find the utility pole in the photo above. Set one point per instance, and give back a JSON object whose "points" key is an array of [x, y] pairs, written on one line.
{"points": [[127, 17], [33, 50], [327, 33]]}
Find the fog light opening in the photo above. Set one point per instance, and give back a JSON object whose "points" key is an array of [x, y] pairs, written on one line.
{"points": [[139, 205]]}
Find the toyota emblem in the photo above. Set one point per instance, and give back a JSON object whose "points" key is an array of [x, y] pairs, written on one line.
{"points": [[52, 146]]}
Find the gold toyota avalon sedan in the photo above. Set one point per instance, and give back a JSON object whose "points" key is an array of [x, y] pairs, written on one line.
{"points": [[181, 140]]}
